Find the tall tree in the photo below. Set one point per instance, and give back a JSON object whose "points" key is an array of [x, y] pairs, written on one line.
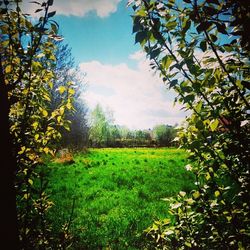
{"points": [[164, 135], [99, 132], [27, 125], [201, 49], [76, 133]]}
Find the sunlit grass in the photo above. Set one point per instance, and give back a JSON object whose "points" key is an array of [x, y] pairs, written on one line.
{"points": [[117, 192]]}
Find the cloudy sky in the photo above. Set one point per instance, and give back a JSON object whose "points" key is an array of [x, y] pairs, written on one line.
{"points": [[118, 75]]}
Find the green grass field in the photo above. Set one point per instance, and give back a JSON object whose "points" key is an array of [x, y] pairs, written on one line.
{"points": [[118, 193]]}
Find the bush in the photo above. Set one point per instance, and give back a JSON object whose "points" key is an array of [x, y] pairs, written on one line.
{"points": [[207, 63]]}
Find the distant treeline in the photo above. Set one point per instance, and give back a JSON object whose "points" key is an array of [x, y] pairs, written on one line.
{"points": [[97, 129], [103, 133], [128, 143]]}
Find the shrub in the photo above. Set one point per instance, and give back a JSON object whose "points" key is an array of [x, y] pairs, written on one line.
{"points": [[207, 63]]}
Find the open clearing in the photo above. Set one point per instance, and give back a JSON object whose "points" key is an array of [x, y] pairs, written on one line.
{"points": [[117, 192]]}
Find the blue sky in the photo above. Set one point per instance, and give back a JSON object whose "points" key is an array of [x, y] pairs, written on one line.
{"points": [[118, 75], [106, 39]]}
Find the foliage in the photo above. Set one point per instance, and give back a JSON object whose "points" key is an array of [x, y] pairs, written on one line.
{"points": [[104, 133], [100, 123], [33, 125], [201, 49], [117, 193], [164, 135], [74, 135]]}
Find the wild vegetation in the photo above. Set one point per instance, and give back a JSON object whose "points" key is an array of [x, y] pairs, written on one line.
{"points": [[30, 127], [104, 133], [107, 197], [75, 135], [201, 49]]}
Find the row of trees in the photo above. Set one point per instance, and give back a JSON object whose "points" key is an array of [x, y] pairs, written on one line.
{"points": [[104, 133]]}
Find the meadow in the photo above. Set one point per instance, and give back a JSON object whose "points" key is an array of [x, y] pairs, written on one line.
{"points": [[117, 193]]}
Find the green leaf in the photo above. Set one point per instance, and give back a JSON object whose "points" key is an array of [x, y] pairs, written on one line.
{"points": [[203, 45], [67, 127], [213, 37], [26, 196], [214, 124], [8, 69], [203, 26], [188, 244], [35, 125], [59, 118], [171, 25], [140, 37], [36, 137], [221, 28], [155, 227], [71, 91], [23, 149], [198, 107], [45, 113], [173, 83], [51, 14], [61, 89], [46, 150], [189, 98], [239, 84], [190, 201], [166, 221], [166, 62], [51, 85], [141, 13], [196, 194], [30, 182], [186, 25], [217, 193], [46, 97], [54, 28], [208, 176], [38, 10], [69, 106], [154, 53], [137, 27], [50, 2]]}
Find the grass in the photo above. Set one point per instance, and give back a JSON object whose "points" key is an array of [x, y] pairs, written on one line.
{"points": [[118, 193]]}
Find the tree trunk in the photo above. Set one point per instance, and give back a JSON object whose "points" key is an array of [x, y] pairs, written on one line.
{"points": [[8, 214]]}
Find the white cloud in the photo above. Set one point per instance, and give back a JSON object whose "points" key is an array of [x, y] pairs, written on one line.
{"points": [[102, 8], [138, 97]]}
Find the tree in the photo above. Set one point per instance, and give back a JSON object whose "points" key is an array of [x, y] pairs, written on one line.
{"points": [[76, 133], [99, 132], [28, 127], [164, 135], [114, 136], [201, 49]]}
